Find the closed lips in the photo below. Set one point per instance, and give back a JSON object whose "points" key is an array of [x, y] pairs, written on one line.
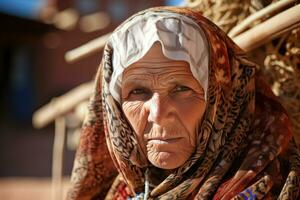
{"points": [[163, 141]]}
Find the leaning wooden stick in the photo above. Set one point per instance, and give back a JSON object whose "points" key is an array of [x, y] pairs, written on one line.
{"points": [[61, 105], [85, 50], [275, 7], [269, 29], [57, 158]]}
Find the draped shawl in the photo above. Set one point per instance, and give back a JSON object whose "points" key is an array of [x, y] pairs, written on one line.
{"points": [[244, 146]]}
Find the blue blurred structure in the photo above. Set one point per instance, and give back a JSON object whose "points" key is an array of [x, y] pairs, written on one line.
{"points": [[174, 2], [21, 93], [22, 8]]}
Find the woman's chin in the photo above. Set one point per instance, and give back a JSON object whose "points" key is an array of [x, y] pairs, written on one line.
{"points": [[167, 160]]}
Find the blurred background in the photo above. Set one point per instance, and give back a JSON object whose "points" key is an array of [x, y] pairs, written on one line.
{"points": [[34, 38]]}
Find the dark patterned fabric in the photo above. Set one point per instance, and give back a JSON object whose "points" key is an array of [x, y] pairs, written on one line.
{"points": [[244, 147]]}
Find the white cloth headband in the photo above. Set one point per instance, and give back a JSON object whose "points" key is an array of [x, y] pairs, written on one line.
{"points": [[181, 39]]}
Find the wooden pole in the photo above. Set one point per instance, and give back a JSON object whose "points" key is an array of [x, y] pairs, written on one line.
{"points": [[57, 158], [275, 7], [87, 49], [61, 105], [273, 27]]}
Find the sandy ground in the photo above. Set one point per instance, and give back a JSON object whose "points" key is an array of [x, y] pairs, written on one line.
{"points": [[29, 188]]}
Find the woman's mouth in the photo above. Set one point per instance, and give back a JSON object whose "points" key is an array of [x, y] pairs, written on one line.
{"points": [[164, 140]]}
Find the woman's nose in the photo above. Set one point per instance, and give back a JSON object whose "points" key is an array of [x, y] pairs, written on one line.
{"points": [[159, 109]]}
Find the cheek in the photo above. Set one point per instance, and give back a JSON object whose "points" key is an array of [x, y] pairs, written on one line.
{"points": [[191, 114], [135, 114]]}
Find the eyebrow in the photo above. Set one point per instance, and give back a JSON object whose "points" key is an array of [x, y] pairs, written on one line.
{"points": [[179, 80], [129, 82]]}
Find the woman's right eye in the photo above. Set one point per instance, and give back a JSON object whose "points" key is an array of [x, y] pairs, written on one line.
{"points": [[138, 91], [140, 94]]}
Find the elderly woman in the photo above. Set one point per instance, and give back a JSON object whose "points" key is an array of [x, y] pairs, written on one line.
{"points": [[184, 116]]}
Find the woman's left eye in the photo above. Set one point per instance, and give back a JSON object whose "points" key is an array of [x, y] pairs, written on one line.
{"points": [[181, 88]]}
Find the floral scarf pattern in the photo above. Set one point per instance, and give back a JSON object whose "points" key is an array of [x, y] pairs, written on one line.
{"points": [[244, 147]]}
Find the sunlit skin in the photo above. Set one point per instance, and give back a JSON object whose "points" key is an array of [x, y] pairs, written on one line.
{"points": [[164, 104]]}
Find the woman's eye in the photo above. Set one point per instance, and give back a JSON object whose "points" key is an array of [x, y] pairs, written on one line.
{"points": [[139, 94], [138, 91], [181, 88]]}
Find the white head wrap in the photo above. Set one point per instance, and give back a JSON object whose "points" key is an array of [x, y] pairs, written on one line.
{"points": [[181, 39]]}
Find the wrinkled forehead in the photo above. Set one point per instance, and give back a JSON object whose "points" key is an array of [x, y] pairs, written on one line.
{"points": [[180, 37]]}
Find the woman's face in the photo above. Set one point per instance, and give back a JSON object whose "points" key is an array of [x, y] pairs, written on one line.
{"points": [[164, 104]]}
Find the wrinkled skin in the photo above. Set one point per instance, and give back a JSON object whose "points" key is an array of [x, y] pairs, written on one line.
{"points": [[164, 104]]}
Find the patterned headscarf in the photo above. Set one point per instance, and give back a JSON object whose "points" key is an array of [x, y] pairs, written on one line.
{"points": [[180, 37], [244, 147]]}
